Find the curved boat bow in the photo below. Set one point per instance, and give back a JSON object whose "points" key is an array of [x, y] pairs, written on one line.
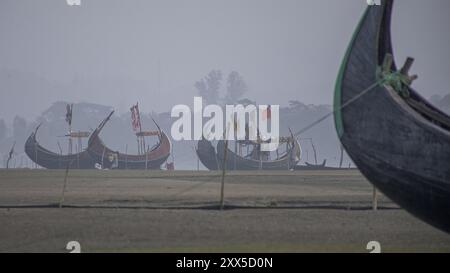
{"points": [[152, 159], [398, 140], [287, 161], [51, 160]]}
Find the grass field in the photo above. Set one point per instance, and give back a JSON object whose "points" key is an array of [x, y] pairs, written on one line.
{"points": [[139, 211]]}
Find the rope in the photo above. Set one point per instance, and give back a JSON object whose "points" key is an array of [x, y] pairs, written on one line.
{"points": [[365, 91]]}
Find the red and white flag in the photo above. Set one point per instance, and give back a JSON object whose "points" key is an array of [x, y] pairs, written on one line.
{"points": [[69, 109], [267, 113], [135, 118]]}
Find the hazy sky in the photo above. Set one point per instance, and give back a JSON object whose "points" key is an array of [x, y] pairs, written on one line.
{"points": [[107, 51]]}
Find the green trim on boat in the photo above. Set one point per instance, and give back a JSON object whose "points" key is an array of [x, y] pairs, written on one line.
{"points": [[337, 91]]}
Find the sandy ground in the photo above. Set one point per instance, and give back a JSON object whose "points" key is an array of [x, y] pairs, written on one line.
{"points": [[137, 211]]}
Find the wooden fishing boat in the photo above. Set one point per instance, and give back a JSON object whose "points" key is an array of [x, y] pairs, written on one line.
{"points": [[253, 161], [51, 160], [107, 158], [313, 167], [398, 140]]}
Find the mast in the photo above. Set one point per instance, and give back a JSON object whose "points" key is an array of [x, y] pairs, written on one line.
{"points": [[69, 109], [137, 127]]}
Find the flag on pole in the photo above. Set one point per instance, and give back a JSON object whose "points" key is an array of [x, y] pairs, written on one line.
{"points": [[267, 114], [69, 108], [135, 118]]}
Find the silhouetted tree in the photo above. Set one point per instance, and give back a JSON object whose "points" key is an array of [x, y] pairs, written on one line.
{"points": [[208, 88], [19, 127], [246, 102], [445, 101], [435, 99], [294, 104], [236, 87]]}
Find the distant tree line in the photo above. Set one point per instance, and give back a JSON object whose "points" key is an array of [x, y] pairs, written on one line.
{"points": [[19, 128], [209, 87]]}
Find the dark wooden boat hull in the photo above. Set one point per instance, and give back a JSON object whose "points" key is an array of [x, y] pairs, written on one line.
{"points": [[207, 154], [50, 160], [318, 167], [404, 154], [151, 160], [236, 162]]}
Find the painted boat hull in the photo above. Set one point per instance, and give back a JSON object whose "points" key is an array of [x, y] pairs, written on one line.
{"points": [[236, 162], [207, 154], [50, 160], [404, 154], [151, 160]]}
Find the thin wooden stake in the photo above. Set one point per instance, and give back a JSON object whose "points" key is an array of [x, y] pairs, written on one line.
{"points": [[224, 167], [126, 156], [103, 157], [35, 155], [61, 201], [375, 199], [235, 153], [146, 160]]}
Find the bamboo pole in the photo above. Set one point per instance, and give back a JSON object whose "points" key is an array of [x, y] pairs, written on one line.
{"points": [[289, 154], [103, 157], [146, 160], [224, 167], [260, 158], [60, 153], [126, 156], [235, 153], [375, 199], [78, 157], [61, 201], [35, 155], [138, 145], [196, 155], [315, 152]]}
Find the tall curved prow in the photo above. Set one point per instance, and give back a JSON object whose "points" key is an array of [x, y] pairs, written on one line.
{"points": [[402, 149], [51, 160], [151, 159]]}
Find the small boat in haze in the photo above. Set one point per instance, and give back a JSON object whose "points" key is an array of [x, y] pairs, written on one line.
{"points": [[109, 159], [253, 160], [51, 160]]}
